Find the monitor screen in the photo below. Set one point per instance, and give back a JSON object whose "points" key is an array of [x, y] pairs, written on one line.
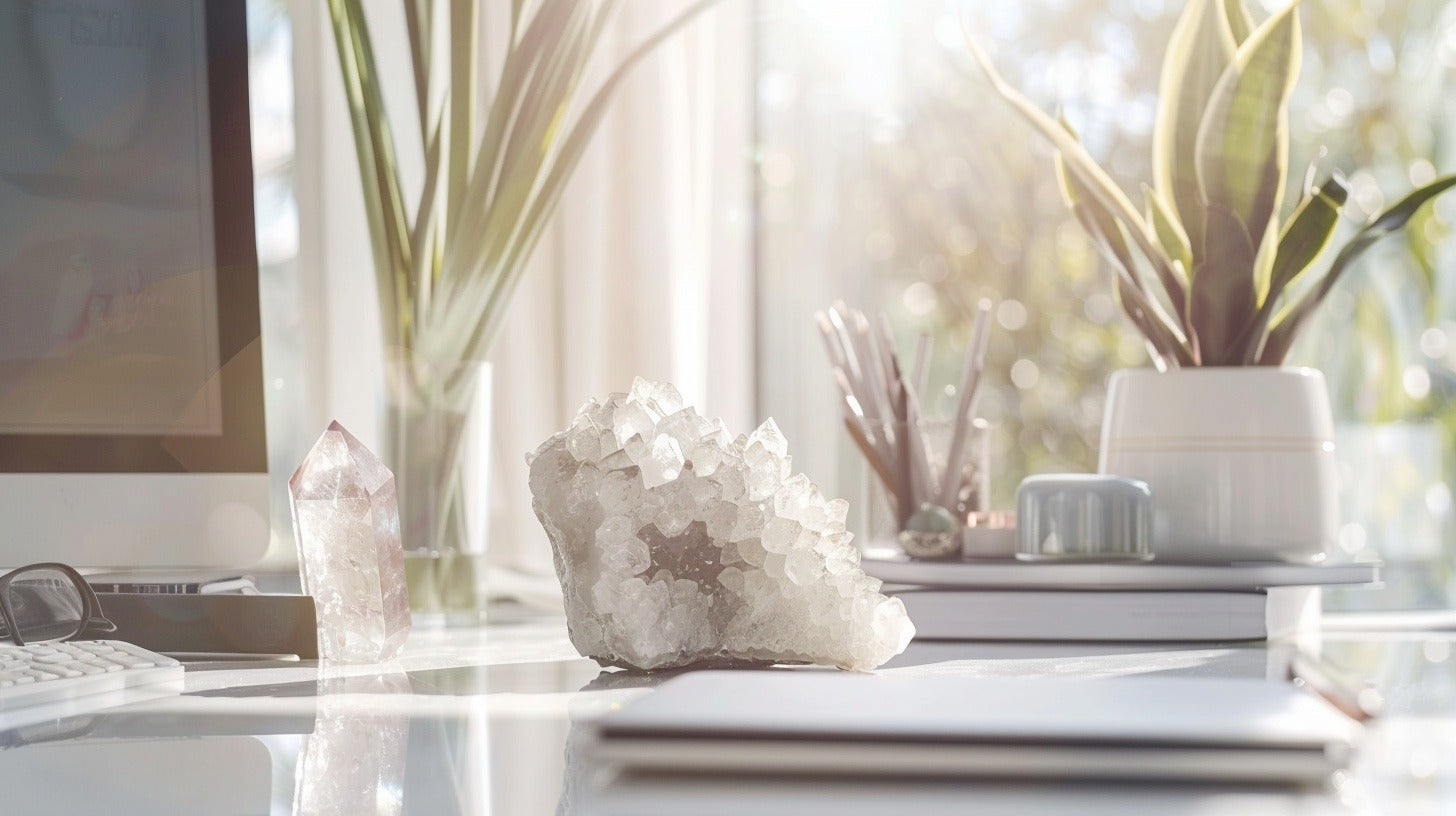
{"points": [[128, 288]]}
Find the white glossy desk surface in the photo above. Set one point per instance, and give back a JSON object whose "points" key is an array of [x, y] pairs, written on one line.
{"points": [[488, 721]]}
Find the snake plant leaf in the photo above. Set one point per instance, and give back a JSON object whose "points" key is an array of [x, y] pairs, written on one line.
{"points": [[1170, 233], [1145, 314], [1240, 25], [1163, 357], [1138, 304], [1100, 187], [1173, 279], [1404, 210], [1064, 180], [1304, 237], [1222, 290], [1099, 224], [1200, 48], [1292, 319], [1309, 230], [1242, 152], [1169, 275]]}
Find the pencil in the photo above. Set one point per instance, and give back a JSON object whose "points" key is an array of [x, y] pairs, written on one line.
{"points": [[970, 384]]}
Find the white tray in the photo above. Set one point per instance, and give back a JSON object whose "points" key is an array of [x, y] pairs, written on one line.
{"points": [[894, 568]]}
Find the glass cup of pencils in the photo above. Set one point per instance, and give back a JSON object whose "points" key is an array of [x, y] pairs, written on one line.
{"points": [[890, 505], [932, 473]]}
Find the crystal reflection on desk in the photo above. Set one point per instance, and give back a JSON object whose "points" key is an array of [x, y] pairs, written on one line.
{"points": [[354, 761]]}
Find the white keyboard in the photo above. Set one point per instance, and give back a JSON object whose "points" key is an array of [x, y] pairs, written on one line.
{"points": [[46, 673]]}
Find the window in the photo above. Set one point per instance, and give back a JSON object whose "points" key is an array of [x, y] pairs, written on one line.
{"points": [[270, 40], [891, 176]]}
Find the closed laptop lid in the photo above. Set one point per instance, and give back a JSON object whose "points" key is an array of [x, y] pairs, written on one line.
{"points": [[1170, 711]]}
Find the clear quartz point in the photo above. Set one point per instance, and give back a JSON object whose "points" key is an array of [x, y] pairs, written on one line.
{"points": [[346, 523]]}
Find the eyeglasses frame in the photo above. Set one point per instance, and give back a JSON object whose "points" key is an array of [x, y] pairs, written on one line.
{"points": [[92, 617]]}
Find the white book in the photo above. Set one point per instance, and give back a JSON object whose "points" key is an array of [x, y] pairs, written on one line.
{"points": [[895, 568], [1095, 615]]}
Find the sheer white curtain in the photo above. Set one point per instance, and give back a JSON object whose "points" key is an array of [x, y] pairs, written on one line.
{"points": [[646, 270]]}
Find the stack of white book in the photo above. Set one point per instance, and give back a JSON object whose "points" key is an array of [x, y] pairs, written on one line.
{"points": [[1082, 601]]}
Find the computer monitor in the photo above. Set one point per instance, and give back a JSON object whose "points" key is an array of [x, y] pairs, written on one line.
{"points": [[131, 382]]}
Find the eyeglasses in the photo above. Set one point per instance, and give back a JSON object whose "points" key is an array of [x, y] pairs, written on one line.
{"points": [[48, 602]]}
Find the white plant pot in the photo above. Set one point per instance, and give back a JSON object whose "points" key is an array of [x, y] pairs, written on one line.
{"points": [[1241, 461]]}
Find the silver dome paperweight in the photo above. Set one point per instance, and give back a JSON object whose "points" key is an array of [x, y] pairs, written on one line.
{"points": [[1083, 516]]}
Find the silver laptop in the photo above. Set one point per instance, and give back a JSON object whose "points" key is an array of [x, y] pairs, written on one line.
{"points": [[862, 725]]}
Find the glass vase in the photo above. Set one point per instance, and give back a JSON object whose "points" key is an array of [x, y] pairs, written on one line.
{"points": [[436, 428]]}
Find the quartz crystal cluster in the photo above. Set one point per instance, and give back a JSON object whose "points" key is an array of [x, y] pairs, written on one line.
{"points": [[678, 544], [346, 521]]}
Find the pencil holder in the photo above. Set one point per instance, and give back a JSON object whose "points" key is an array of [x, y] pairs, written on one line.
{"points": [[927, 475], [886, 518]]}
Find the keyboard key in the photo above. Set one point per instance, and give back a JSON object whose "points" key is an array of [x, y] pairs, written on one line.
{"points": [[54, 657], [137, 651], [104, 665], [133, 662]]}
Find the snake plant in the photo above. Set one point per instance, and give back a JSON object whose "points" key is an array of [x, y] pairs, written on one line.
{"points": [[1208, 269]]}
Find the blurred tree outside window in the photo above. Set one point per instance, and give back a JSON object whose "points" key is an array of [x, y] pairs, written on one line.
{"points": [[890, 176]]}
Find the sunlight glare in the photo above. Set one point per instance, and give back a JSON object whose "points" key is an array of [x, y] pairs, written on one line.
{"points": [[861, 37]]}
